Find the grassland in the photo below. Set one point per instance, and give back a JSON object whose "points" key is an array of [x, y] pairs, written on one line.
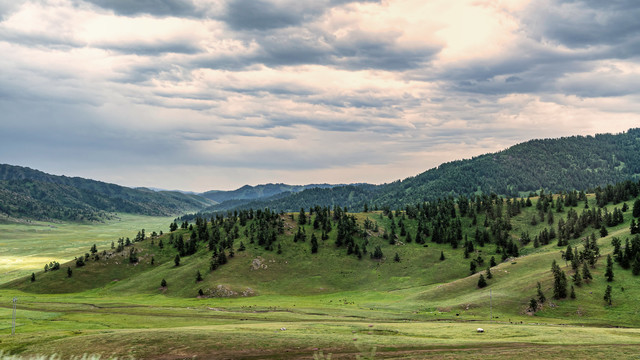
{"points": [[299, 303], [26, 246]]}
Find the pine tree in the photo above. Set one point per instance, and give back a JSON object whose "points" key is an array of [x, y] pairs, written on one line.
{"points": [[609, 272], [396, 258], [586, 274], [636, 265], [533, 305], [607, 295], [314, 244], [153, 260], [577, 278], [472, 267], [541, 297], [573, 293], [176, 260], [198, 276], [200, 292], [481, 281], [489, 274], [33, 277], [69, 272], [603, 231], [492, 262], [163, 283], [442, 255], [559, 282], [636, 208]]}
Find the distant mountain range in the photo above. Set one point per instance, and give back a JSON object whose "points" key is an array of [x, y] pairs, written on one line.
{"points": [[576, 162]]}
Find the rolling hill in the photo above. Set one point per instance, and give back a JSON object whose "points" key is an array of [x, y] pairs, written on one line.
{"points": [[563, 164], [33, 194]]}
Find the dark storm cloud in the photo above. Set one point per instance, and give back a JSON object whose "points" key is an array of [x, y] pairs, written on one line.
{"points": [[290, 47], [152, 49], [584, 23], [264, 15], [249, 15], [159, 8]]}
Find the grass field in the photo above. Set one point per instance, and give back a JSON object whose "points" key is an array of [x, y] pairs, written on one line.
{"points": [[300, 303], [26, 247]]}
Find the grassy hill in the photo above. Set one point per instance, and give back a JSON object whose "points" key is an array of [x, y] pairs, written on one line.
{"points": [[28, 193], [442, 285], [279, 299], [568, 163]]}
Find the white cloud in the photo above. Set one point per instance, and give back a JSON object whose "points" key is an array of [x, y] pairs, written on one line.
{"points": [[330, 91]]}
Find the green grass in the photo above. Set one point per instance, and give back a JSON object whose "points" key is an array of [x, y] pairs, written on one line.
{"points": [[419, 307], [27, 247]]}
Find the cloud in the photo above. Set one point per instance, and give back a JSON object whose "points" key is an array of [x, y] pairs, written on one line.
{"points": [[586, 23], [161, 8], [237, 91]]}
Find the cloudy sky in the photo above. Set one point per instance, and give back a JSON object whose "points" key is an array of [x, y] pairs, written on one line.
{"points": [[214, 94]]}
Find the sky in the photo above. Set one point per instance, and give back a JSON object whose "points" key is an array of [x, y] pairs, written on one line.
{"points": [[214, 94]]}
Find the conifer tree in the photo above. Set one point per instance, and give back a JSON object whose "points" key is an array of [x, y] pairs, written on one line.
{"points": [[33, 277], [153, 260], [609, 272], [472, 267], [481, 281], [489, 274], [314, 244], [577, 278], [533, 305], [607, 295], [541, 297], [176, 260], [636, 265], [559, 282], [636, 208], [573, 293], [163, 283], [492, 262], [586, 274], [198, 276], [69, 272], [396, 258], [442, 255], [200, 292]]}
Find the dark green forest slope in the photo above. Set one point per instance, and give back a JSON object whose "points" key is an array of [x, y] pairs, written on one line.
{"points": [[28, 193], [248, 192], [568, 163]]}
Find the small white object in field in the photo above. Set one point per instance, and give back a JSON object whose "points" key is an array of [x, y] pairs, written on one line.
{"points": [[480, 330]]}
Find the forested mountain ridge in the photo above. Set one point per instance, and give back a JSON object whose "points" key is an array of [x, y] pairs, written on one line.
{"points": [[249, 192], [28, 193], [576, 162]]}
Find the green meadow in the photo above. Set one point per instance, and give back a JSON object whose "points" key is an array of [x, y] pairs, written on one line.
{"points": [[298, 304], [26, 246]]}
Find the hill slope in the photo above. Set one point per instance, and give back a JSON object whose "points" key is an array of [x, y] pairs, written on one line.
{"points": [[28, 193], [249, 192], [429, 256], [568, 163]]}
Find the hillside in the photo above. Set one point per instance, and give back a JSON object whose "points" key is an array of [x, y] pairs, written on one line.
{"points": [[33, 194], [331, 251], [263, 191], [568, 163], [407, 284]]}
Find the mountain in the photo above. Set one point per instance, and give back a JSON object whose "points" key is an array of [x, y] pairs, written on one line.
{"points": [[568, 163], [28, 193], [249, 192]]}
